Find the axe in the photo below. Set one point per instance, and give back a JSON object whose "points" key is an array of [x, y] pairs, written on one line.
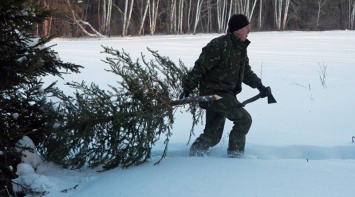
{"points": [[270, 98], [195, 99]]}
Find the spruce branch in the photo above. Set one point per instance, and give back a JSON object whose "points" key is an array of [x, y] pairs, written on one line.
{"points": [[119, 126]]}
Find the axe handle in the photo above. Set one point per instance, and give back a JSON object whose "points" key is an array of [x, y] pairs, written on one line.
{"points": [[195, 99], [270, 98], [250, 100]]}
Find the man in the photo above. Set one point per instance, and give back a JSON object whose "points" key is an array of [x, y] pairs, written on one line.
{"points": [[220, 69]]}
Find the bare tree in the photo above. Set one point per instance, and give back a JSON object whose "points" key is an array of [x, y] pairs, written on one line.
{"points": [[44, 29], [81, 24], [277, 13], [320, 6], [143, 17], [230, 11], [153, 15], [189, 17], [106, 16], [252, 9], [237, 6], [127, 17], [209, 16], [285, 18], [260, 14], [172, 17], [180, 16], [221, 14], [351, 13], [198, 14], [243, 7]]}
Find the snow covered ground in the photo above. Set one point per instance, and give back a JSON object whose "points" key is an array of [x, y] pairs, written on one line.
{"points": [[301, 146]]}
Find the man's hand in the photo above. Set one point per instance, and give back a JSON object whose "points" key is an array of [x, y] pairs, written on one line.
{"points": [[264, 91], [184, 95]]}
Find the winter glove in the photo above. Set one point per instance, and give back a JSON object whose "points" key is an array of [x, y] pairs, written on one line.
{"points": [[184, 94], [264, 91]]}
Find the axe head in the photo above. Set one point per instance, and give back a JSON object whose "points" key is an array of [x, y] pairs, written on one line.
{"points": [[270, 98]]}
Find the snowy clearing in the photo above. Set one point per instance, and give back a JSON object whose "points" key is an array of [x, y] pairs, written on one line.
{"points": [[301, 146]]}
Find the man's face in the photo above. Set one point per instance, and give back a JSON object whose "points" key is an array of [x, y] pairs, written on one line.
{"points": [[243, 32]]}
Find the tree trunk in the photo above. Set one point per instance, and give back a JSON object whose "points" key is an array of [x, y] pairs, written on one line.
{"points": [[209, 17], [143, 18], [352, 14], [46, 23], [172, 17], [106, 18], [252, 10], [320, 6], [103, 23], [243, 7], [229, 14], [198, 13], [284, 21], [180, 16], [153, 15], [219, 15], [127, 17], [189, 17], [277, 13], [80, 23], [260, 23]]}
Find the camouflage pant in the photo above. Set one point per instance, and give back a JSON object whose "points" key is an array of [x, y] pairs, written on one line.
{"points": [[216, 113]]}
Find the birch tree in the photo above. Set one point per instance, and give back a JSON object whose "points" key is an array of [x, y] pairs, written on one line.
{"points": [[82, 24], [172, 16], [180, 16], [230, 11], [277, 13], [320, 6], [285, 16], [260, 14], [221, 14], [189, 17], [351, 13], [106, 16], [143, 17], [153, 15], [252, 10], [127, 17], [198, 14], [243, 7], [209, 16]]}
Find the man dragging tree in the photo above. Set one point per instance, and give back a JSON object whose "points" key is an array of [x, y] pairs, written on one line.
{"points": [[220, 69]]}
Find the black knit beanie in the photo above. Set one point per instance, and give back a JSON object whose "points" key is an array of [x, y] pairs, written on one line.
{"points": [[237, 21]]}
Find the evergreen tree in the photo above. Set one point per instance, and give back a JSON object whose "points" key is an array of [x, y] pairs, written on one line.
{"points": [[24, 109], [95, 127], [118, 127]]}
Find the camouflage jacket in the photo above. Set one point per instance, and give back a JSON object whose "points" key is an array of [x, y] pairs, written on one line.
{"points": [[222, 67]]}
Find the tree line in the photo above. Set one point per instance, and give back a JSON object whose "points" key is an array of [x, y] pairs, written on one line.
{"points": [[101, 18]]}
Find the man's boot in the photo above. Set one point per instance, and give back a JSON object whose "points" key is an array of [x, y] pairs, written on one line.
{"points": [[235, 151], [198, 149]]}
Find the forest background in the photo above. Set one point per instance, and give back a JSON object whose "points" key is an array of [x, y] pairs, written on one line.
{"points": [[104, 18]]}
